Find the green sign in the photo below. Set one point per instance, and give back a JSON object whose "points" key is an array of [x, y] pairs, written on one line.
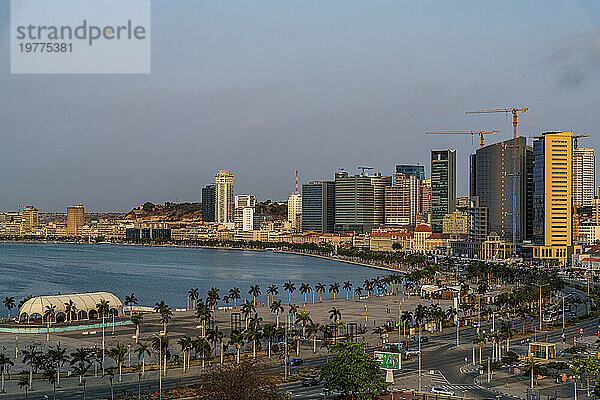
{"points": [[388, 360]]}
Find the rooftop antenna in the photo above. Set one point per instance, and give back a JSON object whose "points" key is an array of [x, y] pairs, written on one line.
{"points": [[364, 169], [296, 181]]}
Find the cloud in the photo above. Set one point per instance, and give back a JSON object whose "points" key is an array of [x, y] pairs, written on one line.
{"points": [[577, 59], [255, 123]]}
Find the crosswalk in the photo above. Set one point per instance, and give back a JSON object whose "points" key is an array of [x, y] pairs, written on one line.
{"points": [[438, 379]]}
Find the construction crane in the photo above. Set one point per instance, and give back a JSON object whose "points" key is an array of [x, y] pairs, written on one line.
{"points": [[364, 169], [514, 111], [480, 133]]}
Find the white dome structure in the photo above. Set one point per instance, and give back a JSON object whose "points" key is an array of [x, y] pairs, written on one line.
{"points": [[84, 307]]}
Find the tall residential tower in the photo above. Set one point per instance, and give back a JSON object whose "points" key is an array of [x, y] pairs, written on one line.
{"points": [[224, 197], [443, 186]]}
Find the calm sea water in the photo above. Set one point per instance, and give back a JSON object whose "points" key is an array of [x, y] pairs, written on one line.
{"points": [[160, 273]]}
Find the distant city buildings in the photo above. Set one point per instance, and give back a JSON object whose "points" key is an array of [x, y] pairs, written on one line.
{"points": [[408, 170], [359, 201], [584, 177], [244, 211], [318, 206], [29, 220], [295, 211], [224, 207], [209, 203], [403, 200], [75, 219], [443, 186], [552, 198], [492, 178]]}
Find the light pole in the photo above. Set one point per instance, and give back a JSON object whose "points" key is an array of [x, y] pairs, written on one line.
{"points": [[159, 365]]}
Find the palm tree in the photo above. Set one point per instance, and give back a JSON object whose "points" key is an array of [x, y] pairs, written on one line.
{"points": [[80, 361], [118, 354], [203, 314], [50, 313], [103, 308], [247, 308], [293, 310], [272, 291], [200, 345], [347, 287], [131, 301], [276, 308], [358, 291], [141, 350], [70, 309], [254, 292], [289, 287], [161, 346], [185, 342], [304, 289], [254, 334], [193, 295], [335, 315], [313, 330], [269, 332], [137, 321], [406, 318], [380, 330], [212, 297], [319, 287], [165, 314], [5, 364], [24, 384], [304, 319], [57, 357], [30, 357], [216, 335], [9, 303], [334, 288], [237, 339], [235, 295]]}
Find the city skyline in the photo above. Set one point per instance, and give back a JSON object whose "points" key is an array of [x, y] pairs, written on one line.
{"points": [[345, 86]]}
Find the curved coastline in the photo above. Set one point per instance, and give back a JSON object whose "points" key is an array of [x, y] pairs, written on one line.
{"points": [[158, 245]]}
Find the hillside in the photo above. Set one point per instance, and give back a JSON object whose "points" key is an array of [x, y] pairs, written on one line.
{"points": [[167, 212]]}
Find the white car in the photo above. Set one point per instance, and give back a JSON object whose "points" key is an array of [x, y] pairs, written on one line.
{"points": [[411, 352], [442, 390]]}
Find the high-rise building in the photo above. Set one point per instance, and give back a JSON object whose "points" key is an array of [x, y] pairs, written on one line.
{"points": [[426, 200], [295, 211], [443, 186], [248, 219], [492, 178], [224, 197], [75, 219], [318, 206], [359, 201], [584, 177], [552, 200], [209, 201], [403, 200], [29, 220], [242, 202], [418, 171], [478, 221]]}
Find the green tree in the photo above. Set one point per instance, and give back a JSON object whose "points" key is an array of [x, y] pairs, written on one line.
{"points": [[141, 350], [5, 364], [118, 354], [9, 303], [24, 384], [353, 373]]}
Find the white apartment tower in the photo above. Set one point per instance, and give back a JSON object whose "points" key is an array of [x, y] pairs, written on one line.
{"points": [[584, 173], [295, 211], [243, 202], [224, 207]]}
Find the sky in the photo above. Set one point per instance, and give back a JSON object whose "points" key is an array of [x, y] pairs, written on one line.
{"points": [[265, 88]]}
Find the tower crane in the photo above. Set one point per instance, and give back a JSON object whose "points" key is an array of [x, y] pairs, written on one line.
{"points": [[480, 133], [364, 169], [514, 111]]}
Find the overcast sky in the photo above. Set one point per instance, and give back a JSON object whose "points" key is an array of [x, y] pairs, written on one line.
{"points": [[263, 88]]}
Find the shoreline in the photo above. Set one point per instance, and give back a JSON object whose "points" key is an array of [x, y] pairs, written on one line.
{"points": [[272, 250]]}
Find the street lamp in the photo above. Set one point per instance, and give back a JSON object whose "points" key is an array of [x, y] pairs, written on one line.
{"points": [[159, 365]]}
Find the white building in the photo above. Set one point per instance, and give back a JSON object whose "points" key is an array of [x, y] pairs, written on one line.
{"points": [[584, 174], [591, 231], [248, 219], [243, 201], [295, 211], [224, 206]]}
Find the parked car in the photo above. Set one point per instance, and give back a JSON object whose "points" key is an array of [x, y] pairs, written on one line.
{"points": [[442, 390], [424, 339], [310, 382], [296, 361]]}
